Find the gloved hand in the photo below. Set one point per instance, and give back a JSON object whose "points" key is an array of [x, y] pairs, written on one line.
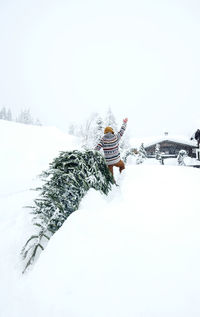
{"points": [[191, 138], [125, 120]]}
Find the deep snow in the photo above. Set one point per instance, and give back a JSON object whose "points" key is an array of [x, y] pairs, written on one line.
{"points": [[135, 252]]}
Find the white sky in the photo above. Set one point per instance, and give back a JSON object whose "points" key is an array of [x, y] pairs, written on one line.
{"points": [[67, 59]]}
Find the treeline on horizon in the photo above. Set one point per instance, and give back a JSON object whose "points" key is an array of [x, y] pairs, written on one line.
{"points": [[24, 116]]}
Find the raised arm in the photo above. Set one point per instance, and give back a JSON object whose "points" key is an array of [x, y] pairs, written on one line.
{"points": [[99, 145], [123, 128]]}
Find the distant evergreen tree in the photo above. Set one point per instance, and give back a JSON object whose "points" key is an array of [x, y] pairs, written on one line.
{"points": [[180, 158], [98, 130], [3, 113], [9, 115], [87, 132], [67, 180], [91, 131], [124, 144], [110, 120], [142, 154], [157, 152], [25, 117], [158, 155], [71, 129], [142, 150], [100, 125]]}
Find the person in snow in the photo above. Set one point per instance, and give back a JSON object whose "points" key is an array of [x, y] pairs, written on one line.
{"points": [[110, 144], [197, 137]]}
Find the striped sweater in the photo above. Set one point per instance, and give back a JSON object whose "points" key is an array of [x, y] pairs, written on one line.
{"points": [[110, 145]]}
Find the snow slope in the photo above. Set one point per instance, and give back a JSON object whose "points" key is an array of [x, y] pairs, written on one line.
{"points": [[135, 252], [26, 150]]}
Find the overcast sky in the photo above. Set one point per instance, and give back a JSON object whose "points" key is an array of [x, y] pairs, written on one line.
{"points": [[67, 59]]}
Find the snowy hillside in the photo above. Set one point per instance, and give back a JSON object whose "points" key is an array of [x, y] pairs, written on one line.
{"points": [[135, 252], [26, 150]]}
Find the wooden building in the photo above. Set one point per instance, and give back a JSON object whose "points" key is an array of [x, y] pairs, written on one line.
{"points": [[170, 147]]}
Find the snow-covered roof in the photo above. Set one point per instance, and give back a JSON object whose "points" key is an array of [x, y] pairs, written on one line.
{"points": [[148, 141]]}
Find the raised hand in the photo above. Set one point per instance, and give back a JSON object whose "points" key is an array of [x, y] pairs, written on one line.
{"points": [[125, 120]]}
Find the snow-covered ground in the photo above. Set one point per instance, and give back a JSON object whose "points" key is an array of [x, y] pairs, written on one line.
{"points": [[135, 252]]}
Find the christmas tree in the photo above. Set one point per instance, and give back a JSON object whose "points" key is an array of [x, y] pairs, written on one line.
{"points": [[67, 180]]}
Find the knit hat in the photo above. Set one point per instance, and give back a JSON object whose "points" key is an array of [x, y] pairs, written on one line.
{"points": [[108, 129]]}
